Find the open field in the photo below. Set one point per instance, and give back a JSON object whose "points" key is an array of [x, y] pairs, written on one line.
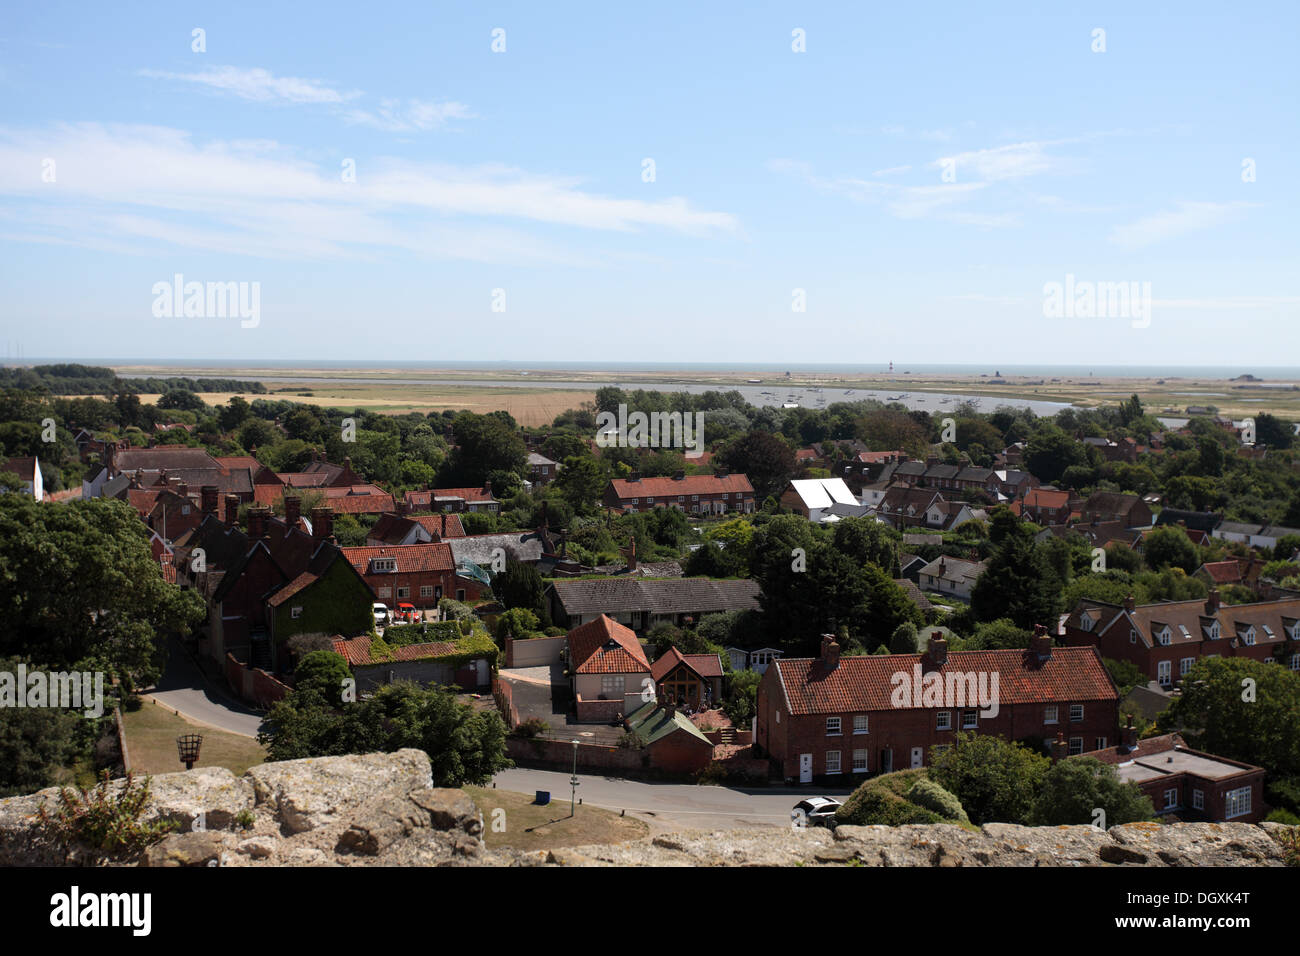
{"points": [[529, 407], [399, 390], [151, 734], [530, 827]]}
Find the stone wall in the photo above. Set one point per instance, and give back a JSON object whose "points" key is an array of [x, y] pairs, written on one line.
{"points": [[381, 809]]}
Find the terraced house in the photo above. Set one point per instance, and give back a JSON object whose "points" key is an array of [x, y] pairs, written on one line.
{"points": [[834, 721], [697, 494], [1165, 640]]}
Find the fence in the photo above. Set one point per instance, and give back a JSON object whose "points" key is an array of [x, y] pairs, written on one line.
{"points": [[504, 695], [559, 753]]}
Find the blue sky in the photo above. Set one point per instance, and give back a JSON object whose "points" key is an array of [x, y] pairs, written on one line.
{"points": [[775, 170]]}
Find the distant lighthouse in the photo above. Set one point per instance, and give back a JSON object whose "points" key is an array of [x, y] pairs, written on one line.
{"points": [[891, 366]]}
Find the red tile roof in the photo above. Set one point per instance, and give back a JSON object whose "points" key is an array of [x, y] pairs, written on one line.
{"points": [[430, 556], [293, 587], [443, 525], [360, 504], [689, 485], [604, 646], [1223, 572], [864, 683], [705, 665], [357, 651]]}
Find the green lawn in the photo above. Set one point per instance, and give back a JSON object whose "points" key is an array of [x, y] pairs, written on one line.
{"points": [[530, 827], [151, 734]]}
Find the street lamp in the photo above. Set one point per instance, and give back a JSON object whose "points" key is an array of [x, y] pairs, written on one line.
{"points": [[573, 781], [188, 746]]}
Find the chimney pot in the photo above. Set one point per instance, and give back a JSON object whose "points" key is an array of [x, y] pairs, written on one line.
{"points": [[937, 649], [830, 651], [292, 510], [232, 510], [1212, 602]]}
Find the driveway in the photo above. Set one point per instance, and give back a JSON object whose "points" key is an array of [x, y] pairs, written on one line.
{"points": [[672, 805], [184, 688]]}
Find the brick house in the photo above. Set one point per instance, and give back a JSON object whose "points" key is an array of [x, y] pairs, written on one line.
{"points": [[608, 671], [672, 742], [1044, 506], [1103, 506], [1186, 784], [541, 470], [419, 574], [697, 494], [414, 529], [834, 720], [455, 500], [1165, 640]]}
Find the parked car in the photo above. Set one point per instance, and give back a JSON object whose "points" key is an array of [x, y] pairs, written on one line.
{"points": [[407, 614], [382, 614], [815, 812]]}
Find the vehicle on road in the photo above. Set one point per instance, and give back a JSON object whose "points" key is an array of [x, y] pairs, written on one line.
{"points": [[815, 812]]}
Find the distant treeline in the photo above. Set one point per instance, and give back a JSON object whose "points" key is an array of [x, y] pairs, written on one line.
{"points": [[72, 379]]}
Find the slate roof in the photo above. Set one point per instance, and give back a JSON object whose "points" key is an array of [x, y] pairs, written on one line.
{"points": [[604, 646], [862, 684], [1205, 521], [1110, 502], [477, 548], [914, 594], [680, 596], [164, 456]]}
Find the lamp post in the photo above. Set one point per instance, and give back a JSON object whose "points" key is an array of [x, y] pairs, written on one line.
{"points": [[187, 745], [573, 781]]}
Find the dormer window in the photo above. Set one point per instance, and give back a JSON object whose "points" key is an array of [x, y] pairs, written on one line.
{"points": [[1249, 636], [383, 565], [1085, 623], [1163, 636]]}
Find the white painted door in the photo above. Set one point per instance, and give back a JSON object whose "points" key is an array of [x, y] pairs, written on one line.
{"points": [[805, 768], [918, 756]]}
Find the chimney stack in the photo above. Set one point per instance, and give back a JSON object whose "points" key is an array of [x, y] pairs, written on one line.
{"points": [[1129, 604], [209, 496], [1041, 643], [322, 523], [937, 649], [182, 488], [830, 651], [292, 510], [679, 476], [1060, 749], [232, 510], [257, 519], [1130, 735], [1212, 602]]}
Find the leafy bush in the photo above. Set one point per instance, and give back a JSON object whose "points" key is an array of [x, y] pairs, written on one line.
{"points": [[531, 727], [928, 794], [1283, 816], [1284, 793], [878, 802], [454, 610], [105, 821], [631, 740]]}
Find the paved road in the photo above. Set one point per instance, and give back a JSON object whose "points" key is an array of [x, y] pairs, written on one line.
{"points": [[677, 805], [184, 688]]}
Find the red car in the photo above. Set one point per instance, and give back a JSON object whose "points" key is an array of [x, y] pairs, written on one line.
{"points": [[407, 614]]}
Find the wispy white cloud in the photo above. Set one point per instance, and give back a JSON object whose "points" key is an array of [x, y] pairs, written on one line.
{"points": [[395, 116], [903, 202], [152, 186], [1013, 161], [1187, 217], [255, 83], [1230, 302]]}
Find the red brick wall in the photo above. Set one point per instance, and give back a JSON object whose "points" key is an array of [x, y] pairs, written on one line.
{"points": [[1216, 796], [253, 684], [680, 753], [449, 581], [900, 730], [598, 711]]}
